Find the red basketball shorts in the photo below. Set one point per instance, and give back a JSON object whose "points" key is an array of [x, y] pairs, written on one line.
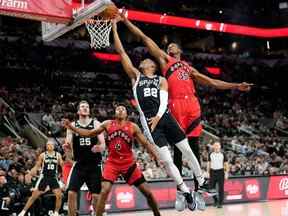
{"points": [[66, 170], [187, 112], [131, 173]]}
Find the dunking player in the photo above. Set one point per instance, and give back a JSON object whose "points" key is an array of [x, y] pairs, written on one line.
{"points": [[183, 102], [151, 93], [87, 165], [48, 162], [120, 161]]}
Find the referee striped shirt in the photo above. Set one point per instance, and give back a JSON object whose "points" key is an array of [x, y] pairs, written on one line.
{"points": [[217, 160]]}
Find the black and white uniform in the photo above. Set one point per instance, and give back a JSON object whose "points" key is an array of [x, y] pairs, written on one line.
{"points": [[87, 166], [147, 94], [49, 172]]}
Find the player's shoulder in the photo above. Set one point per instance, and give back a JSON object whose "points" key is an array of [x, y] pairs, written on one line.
{"points": [[107, 123], [134, 126]]}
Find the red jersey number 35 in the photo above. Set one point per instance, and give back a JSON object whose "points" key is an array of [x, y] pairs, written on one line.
{"points": [[183, 75]]}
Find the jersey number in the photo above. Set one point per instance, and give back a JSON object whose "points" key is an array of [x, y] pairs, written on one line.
{"points": [[150, 92], [50, 167], [85, 141]]}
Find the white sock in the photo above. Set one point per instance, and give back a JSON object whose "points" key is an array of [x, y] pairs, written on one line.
{"points": [[193, 163], [183, 187], [170, 167]]}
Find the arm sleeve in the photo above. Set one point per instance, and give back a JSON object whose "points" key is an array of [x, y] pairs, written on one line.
{"points": [[163, 103]]}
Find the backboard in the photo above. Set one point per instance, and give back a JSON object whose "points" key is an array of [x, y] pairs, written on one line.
{"points": [[57, 16], [80, 13]]}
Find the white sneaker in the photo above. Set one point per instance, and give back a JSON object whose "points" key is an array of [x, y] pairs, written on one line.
{"points": [[180, 202], [56, 214], [201, 205]]}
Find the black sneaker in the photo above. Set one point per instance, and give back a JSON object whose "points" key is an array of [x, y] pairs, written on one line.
{"points": [[219, 206], [204, 187], [191, 201]]}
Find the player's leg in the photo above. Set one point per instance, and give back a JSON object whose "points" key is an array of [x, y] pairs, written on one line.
{"points": [[105, 190], [109, 176], [35, 195], [177, 159], [39, 190], [74, 183], [176, 136], [143, 187], [58, 200], [193, 163], [56, 189], [179, 114], [134, 176], [93, 181], [158, 136]]}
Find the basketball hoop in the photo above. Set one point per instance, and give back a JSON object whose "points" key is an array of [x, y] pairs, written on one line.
{"points": [[99, 30]]}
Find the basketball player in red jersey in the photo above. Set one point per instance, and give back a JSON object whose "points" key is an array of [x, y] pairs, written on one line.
{"points": [[183, 102], [120, 161]]}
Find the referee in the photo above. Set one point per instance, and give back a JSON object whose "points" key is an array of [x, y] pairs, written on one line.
{"points": [[218, 171]]}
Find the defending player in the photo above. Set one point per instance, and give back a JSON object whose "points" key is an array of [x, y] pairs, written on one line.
{"points": [[87, 162], [120, 161]]}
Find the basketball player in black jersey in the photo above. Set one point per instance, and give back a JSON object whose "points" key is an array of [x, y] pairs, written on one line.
{"points": [[87, 159], [150, 91], [48, 162]]}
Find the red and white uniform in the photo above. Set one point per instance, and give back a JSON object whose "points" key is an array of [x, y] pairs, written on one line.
{"points": [[183, 102], [120, 158]]}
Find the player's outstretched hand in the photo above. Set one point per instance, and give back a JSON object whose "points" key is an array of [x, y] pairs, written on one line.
{"points": [[123, 13], [66, 123], [244, 86], [153, 122]]}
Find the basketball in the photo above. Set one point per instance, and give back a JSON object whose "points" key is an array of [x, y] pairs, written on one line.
{"points": [[110, 12]]}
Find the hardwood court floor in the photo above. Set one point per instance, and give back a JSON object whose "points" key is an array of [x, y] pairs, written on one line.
{"points": [[271, 208]]}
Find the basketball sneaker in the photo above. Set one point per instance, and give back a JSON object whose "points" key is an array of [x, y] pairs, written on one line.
{"points": [[191, 201], [180, 202], [204, 186], [201, 205]]}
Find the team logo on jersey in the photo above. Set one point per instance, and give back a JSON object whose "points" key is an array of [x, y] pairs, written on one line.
{"points": [[121, 134]]}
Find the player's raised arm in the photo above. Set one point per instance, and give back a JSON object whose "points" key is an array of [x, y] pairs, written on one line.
{"points": [[218, 84], [131, 71], [145, 143], [84, 132], [153, 48]]}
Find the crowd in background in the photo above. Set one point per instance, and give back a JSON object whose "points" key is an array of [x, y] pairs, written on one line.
{"points": [[252, 125]]}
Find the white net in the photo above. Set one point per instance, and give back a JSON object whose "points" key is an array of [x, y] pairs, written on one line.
{"points": [[99, 31]]}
